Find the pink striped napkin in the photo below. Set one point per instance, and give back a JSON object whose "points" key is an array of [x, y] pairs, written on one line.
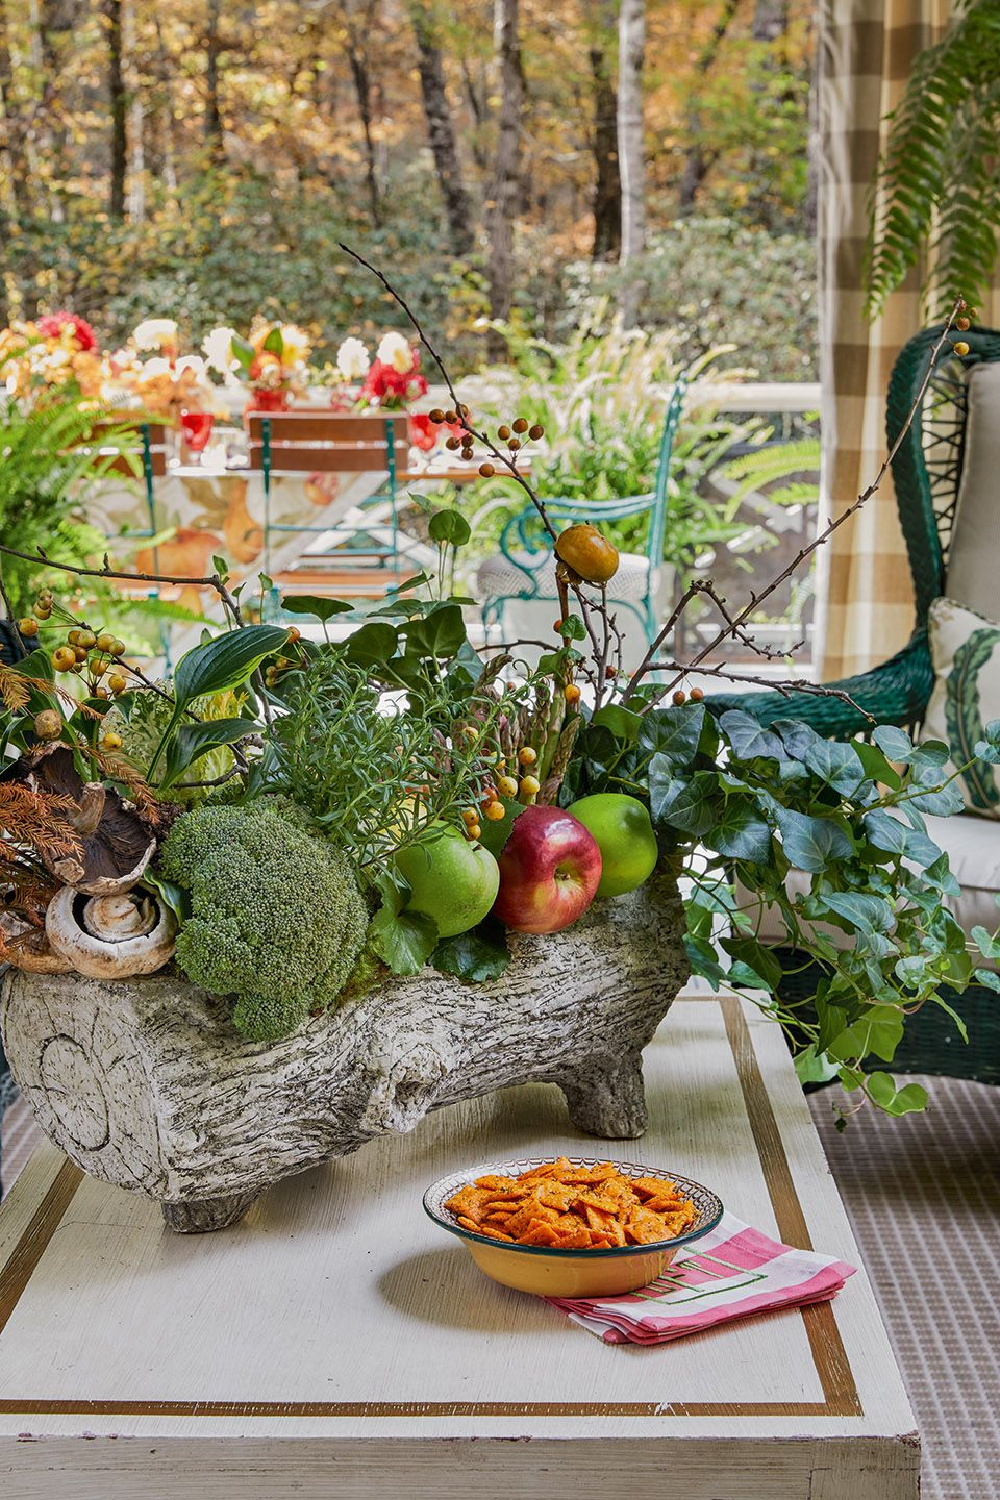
{"points": [[732, 1272]]}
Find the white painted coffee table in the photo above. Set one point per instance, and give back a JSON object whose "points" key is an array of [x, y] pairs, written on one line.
{"points": [[337, 1345]]}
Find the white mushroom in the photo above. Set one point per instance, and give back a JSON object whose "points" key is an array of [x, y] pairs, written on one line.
{"points": [[27, 947], [110, 937]]}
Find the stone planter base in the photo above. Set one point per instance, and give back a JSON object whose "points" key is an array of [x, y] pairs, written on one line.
{"points": [[145, 1083]]}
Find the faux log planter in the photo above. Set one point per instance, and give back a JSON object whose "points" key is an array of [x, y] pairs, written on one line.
{"points": [[145, 1083]]}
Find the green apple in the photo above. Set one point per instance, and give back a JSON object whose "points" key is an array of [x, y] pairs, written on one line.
{"points": [[451, 880], [625, 837]]}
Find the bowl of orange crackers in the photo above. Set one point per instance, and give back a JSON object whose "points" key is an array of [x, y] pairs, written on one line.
{"points": [[573, 1226]]}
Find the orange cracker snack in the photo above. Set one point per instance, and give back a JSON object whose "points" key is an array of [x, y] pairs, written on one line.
{"points": [[567, 1207]]}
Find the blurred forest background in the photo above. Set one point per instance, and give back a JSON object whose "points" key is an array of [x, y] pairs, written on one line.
{"points": [[202, 160]]}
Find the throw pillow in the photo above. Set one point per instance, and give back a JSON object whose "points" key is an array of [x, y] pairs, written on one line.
{"points": [[965, 650]]}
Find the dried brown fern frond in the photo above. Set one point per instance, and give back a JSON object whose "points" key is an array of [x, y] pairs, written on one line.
{"points": [[155, 814], [38, 821], [26, 893], [15, 689]]}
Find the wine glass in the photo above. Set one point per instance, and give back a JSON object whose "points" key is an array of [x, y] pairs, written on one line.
{"points": [[197, 429]]}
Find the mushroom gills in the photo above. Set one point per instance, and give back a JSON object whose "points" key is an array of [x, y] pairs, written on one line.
{"points": [[110, 937]]}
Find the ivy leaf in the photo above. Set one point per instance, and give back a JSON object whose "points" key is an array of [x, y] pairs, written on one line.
{"points": [[704, 960], [866, 913], [684, 803], [747, 739], [988, 977], [760, 960], [987, 944], [623, 724], [813, 1066], [740, 833], [811, 843], [893, 1100], [876, 767], [674, 732], [477, 955], [495, 835], [888, 833], [798, 738], [879, 1030], [836, 764], [894, 743]]}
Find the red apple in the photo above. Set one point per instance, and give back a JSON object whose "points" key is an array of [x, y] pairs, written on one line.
{"points": [[550, 869]]}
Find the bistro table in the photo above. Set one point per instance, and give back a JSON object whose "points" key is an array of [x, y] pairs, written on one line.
{"points": [[337, 1344]]}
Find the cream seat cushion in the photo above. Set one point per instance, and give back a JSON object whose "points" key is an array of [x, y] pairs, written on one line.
{"points": [[973, 849], [974, 555]]}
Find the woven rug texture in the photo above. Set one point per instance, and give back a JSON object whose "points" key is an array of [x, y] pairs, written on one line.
{"points": [[923, 1195]]}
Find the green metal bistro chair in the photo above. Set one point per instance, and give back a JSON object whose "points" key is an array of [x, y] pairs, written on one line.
{"points": [[524, 569], [926, 473]]}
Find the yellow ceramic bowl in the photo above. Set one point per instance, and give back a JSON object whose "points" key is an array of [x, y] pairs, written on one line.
{"points": [[547, 1272]]}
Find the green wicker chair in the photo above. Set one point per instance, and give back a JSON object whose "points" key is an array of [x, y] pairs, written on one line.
{"points": [[926, 473]]}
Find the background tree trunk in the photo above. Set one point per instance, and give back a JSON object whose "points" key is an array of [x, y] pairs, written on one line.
{"points": [[136, 123], [15, 137], [632, 162], [506, 188], [700, 160], [441, 132], [118, 105], [608, 186], [359, 29], [213, 114]]}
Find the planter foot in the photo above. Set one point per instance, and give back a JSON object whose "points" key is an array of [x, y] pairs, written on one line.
{"points": [[207, 1214], [606, 1096]]}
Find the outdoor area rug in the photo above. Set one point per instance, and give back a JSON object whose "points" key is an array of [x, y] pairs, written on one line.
{"points": [[923, 1195]]}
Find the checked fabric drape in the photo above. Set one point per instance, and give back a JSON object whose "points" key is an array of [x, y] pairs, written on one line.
{"points": [[865, 599]]}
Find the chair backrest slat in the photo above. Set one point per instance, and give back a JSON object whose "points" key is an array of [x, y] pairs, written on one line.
{"points": [[114, 437], [307, 440]]}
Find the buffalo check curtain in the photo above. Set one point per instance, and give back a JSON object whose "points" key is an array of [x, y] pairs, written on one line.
{"points": [[867, 48]]}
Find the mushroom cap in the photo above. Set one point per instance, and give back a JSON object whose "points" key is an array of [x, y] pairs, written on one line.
{"points": [[115, 844], [27, 947], [110, 937]]}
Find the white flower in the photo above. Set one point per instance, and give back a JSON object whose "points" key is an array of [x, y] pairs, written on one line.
{"points": [[152, 369], [395, 350], [192, 362], [155, 333], [218, 349], [353, 360], [294, 344]]}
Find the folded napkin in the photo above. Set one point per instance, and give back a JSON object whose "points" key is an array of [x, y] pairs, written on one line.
{"points": [[731, 1272]]}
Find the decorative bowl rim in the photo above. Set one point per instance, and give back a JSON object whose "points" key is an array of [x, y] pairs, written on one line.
{"points": [[709, 1217]]}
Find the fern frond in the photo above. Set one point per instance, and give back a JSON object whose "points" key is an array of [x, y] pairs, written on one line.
{"points": [[937, 185]]}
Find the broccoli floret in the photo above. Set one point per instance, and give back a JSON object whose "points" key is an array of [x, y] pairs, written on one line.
{"points": [[277, 918]]}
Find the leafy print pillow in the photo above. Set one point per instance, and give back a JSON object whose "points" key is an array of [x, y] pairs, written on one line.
{"points": [[965, 650]]}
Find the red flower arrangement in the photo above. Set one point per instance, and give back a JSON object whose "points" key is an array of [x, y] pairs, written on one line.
{"points": [[52, 325], [393, 389]]}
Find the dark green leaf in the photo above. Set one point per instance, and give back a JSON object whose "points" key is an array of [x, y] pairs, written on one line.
{"points": [[449, 528], [225, 661], [894, 742], [194, 740], [274, 343], [477, 955], [495, 835], [573, 629], [740, 833], [876, 766], [836, 764], [748, 951], [689, 804], [404, 940], [746, 737], [440, 634], [810, 843], [315, 604], [623, 724], [372, 645], [674, 732]]}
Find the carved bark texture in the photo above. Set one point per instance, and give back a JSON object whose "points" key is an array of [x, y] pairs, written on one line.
{"points": [[144, 1082]]}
